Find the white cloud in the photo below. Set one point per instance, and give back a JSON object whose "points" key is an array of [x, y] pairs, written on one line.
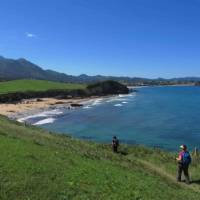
{"points": [[30, 35]]}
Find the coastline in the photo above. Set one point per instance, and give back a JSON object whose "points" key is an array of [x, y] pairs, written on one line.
{"points": [[175, 85], [59, 112], [33, 106], [28, 107]]}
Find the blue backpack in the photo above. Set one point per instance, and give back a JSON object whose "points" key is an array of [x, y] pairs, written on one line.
{"points": [[186, 158]]}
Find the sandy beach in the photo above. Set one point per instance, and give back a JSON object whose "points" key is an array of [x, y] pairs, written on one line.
{"points": [[34, 105]]}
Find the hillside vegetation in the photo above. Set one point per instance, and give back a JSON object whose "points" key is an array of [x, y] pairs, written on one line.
{"points": [[15, 91], [35, 85], [12, 69], [39, 165]]}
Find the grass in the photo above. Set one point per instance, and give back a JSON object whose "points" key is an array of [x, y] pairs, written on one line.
{"points": [[35, 85], [38, 165]]}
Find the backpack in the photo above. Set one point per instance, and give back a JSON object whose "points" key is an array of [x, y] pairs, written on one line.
{"points": [[115, 142], [186, 158]]}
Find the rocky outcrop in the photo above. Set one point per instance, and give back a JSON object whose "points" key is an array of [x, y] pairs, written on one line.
{"points": [[107, 87], [75, 105]]}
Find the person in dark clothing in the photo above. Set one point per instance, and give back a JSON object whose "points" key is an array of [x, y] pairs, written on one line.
{"points": [[184, 160], [115, 144]]}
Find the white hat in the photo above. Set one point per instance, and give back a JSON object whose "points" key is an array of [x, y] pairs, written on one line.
{"points": [[183, 146]]}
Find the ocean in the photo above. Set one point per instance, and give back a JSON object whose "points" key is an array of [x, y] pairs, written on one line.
{"points": [[163, 117]]}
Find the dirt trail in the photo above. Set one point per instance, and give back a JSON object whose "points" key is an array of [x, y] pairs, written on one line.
{"points": [[160, 171]]}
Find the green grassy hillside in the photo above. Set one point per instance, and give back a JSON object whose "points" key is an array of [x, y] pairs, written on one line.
{"points": [[38, 165], [35, 85]]}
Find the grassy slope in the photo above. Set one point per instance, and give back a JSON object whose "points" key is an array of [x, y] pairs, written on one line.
{"points": [[35, 164], [35, 85]]}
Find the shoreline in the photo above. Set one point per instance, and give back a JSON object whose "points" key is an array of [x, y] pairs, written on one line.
{"points": [[34, 106], [28, 107], [175, 85]]}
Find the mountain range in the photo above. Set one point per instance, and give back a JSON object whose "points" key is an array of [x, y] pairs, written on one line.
{"points": [[12, 69]]}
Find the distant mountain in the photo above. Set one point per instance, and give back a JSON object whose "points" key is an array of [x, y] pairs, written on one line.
{"points": [[11, 69], [23, 69]]}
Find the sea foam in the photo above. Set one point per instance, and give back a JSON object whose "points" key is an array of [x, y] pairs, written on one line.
{"points": [[97, 102], [118, 105], [87, 107], [42, 114], [45, 121]]}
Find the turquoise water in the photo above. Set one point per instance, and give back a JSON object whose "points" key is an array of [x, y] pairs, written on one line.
{"points": [[162, 117]]}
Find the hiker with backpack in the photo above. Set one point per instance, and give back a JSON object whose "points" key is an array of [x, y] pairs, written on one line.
{"points": [[115, 144], [184, 160]]}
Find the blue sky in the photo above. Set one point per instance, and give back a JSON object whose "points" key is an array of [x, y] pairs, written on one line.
{"points": [[145, 38]]}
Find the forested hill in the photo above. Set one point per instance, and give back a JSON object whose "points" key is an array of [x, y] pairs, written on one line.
{"points": [[23, 69], [11, 69]]}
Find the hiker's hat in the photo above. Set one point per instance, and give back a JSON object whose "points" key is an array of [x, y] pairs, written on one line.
{"points": [[183, 146]]}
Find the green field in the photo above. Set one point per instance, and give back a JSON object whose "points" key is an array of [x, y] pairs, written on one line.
{"points": [[38, 165], [35, 85]]}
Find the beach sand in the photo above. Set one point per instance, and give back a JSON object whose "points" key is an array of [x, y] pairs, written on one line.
{"points": [[31, 105]]}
